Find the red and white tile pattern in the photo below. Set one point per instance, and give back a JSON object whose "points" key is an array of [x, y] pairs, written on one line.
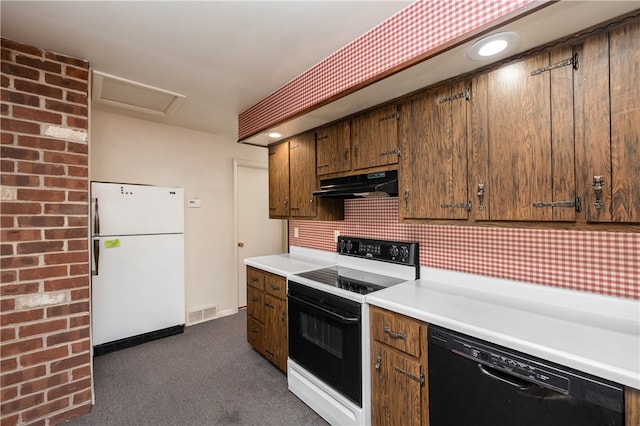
{"points": [[599, 262], [409, 34]]}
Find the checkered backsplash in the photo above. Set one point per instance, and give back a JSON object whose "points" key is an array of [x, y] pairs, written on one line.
{"points": [[412, 32], [600, 262]]}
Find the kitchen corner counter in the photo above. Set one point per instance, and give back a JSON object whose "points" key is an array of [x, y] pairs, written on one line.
{"points": [[596, 334], [298, 259]]}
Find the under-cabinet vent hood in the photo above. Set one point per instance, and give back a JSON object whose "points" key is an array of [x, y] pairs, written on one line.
{"points": [[379, 184]]}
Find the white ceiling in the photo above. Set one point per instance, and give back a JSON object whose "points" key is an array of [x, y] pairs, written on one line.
{"points": [[226, 56], [223, 56]]}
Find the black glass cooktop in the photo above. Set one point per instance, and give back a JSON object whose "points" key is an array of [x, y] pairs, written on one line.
{"points": [[351, 279]]}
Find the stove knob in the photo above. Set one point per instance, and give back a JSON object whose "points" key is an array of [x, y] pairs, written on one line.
{"points": [[405, 253], [394, 251], [341, 245], [349, 246]]}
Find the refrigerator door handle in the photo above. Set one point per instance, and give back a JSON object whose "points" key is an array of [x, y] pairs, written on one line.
{"points": [[96, 256], [96, 217]]}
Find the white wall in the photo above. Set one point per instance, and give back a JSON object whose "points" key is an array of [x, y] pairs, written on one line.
{"points": [[129, 150]]}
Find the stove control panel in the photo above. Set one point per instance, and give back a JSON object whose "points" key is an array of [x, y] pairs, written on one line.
{"points": [[387, 251]]}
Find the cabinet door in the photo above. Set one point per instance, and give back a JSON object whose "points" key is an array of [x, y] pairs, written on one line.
{"points": [[276, 331], [374, 138], [433, 177], [333, 145], [255, 303], [608, 125], [397, 383], [255, 334], [302, 162], [279, 180], [523, 140]]}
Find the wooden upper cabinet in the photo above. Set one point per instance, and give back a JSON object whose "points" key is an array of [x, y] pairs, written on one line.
{"points": [[522, 133], [374, 138], [302, 163], [608, 125], [333, 145], [279, 180], [433, 166]]}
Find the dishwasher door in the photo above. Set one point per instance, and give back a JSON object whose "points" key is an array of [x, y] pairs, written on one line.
{"points": [[475, 383]]}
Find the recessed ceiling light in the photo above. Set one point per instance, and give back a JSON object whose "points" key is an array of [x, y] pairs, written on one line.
{"points": [[275, 135], [488, 47]]}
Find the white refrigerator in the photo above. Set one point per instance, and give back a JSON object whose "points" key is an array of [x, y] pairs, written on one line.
{"points": [[137, 262]]}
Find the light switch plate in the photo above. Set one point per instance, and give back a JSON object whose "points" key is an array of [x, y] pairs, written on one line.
{"points": [[193, 202]]}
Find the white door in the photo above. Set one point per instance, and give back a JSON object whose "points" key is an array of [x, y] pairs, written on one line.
{"points": [[256, 234]]}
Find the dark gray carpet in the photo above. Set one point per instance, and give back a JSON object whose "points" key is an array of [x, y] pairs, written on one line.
{"points": [[209, 375]]}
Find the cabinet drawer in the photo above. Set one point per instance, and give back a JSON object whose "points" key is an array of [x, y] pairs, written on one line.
{"points": [[276, 286], [255, 278], [255, 303], [395, 330]]}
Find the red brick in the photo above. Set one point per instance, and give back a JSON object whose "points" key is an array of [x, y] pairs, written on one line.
{"points": [[77, 245], [38, 89], [41, 195], [79, 321], [81, 372], [43, 272], [77, 221], [38, 115], [65, 233], [42, 327], [81, 63], [61, 182], [21, 235], [5, 109], [10, 420], [67, 83], [78, 73], [7, 139], [20, 180], [7, 333], [19, 262], [7, 222], [43, 410], [24, 48], [79, 123], [69, 388], [78, 148], [66, 283], [39, 63], [4, 80], [19, 126], [7, 95], [42, 143], [68, 336], [8, 276], [65, 258], [43, 356], [40, 247], [68, 309], [21, 346], [81, 294], [77, 98], [81, 346], [6, 249], [21, 316], [71, 159], [9, 393], [43, 384], [70, 363], [79, 171], [20, 288], [20, 153], [21, 208], [22, 403], [41, 168], [40, 221], [65, 107], [71, 209], [22, 375], [79, 268], [20, 71]]}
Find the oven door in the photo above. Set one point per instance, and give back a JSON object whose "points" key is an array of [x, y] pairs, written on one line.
{"points": [[325, 338]]}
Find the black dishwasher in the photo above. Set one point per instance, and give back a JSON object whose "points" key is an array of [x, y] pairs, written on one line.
{"points": [[476, 383]]}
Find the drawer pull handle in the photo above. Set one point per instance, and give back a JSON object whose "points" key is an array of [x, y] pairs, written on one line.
{"points": [[388, 331], [419, 379], [275, 287]]}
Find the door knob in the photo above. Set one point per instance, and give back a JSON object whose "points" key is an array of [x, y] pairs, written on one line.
{"points": [[240, 244]]}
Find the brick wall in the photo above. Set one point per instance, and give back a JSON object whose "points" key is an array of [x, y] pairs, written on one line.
{"points": [[45, 353]]}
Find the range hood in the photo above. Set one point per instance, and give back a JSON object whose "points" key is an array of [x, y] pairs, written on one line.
{"points": [[379, 184]]}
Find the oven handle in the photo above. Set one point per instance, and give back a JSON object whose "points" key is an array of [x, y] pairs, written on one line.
{"points": [[341, 318]]}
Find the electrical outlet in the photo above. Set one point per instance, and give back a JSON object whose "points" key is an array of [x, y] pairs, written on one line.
{"points": [[336, 234], [295, 232]]}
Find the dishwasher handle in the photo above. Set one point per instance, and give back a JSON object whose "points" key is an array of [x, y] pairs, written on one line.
{"points": [[504, 377]]}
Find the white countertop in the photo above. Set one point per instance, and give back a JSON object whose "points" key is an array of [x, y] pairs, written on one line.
{"points": [[596, 334], [299, 259]]}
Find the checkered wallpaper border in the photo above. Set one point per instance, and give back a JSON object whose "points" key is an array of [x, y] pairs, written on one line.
{"points": [[599, 262], [412, 32]]}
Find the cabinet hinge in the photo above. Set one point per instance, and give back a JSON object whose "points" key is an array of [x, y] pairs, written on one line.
{"points": [[570, 61], [319, 138], [465, 205], [391, 152], [419, 379], [466, 94], [395, 115], [576, 204]]}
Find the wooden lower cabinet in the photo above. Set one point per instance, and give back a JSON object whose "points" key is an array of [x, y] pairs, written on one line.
{"points": [[632, 406], [267, 315], [399, 391]]}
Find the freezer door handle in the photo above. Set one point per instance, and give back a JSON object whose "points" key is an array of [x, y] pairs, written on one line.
{"points": [[96, 217], [96, 255]]}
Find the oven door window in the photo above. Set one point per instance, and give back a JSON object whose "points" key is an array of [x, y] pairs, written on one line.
{"points": [[327, 343]]}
